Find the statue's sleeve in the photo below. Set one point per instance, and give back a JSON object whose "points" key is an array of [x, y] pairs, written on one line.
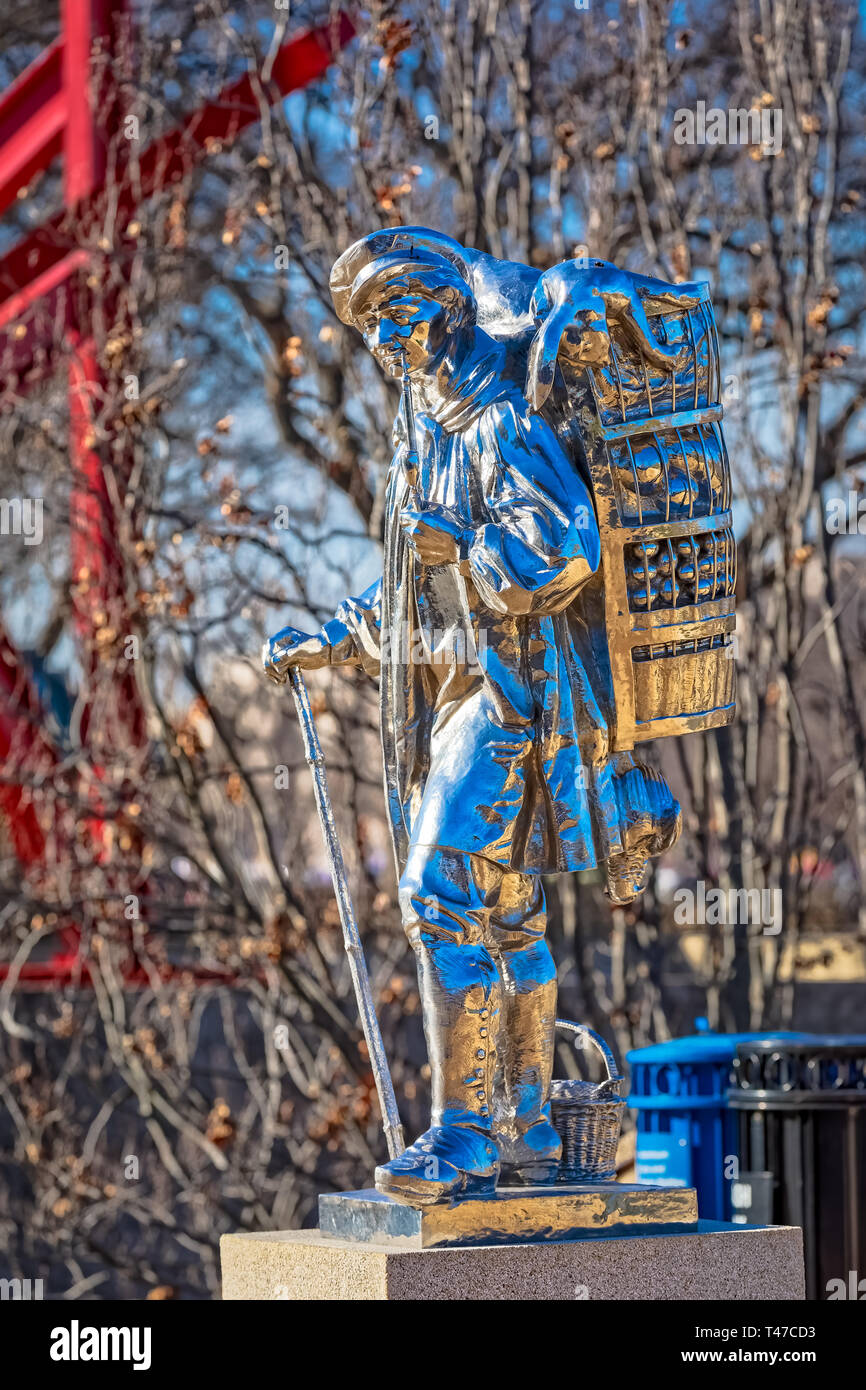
{"points": [[353, 634], [542, 541]]}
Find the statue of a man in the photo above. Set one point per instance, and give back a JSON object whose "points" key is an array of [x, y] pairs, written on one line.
{"points": [[497, 761]]}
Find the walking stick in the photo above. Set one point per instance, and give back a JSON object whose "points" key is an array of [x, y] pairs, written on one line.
{"points": [[351, 936]]}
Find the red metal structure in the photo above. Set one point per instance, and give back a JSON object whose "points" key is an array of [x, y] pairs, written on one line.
{"points": [[66, 105]]}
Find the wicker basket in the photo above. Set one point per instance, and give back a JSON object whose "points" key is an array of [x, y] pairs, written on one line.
{"points": [[587, 1117]]}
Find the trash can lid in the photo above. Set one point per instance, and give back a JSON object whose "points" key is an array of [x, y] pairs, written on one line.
{"points": [[811, 1042], [705, 1046], [823, 1070]]}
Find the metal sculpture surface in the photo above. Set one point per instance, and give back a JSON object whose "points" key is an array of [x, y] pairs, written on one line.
{"points": [[557, 586]]}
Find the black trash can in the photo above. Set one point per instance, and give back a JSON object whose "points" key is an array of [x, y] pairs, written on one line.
{"points": [[801, 1109]]}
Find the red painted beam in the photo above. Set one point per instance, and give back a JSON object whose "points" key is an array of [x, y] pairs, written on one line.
{"points": [[41, 289], [32, 117], [69, 968], [24, 753], [84, 22], [167, 160], [35, 299]]}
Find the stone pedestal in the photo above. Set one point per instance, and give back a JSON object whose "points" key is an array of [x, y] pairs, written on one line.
{"points": [[713, 1261]]}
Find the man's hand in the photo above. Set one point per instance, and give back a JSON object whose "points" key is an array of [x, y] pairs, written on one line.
{"points": [[291, 647], [435, 534]]}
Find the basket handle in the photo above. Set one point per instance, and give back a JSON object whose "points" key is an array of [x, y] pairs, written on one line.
{"points": [[581, 1030]]}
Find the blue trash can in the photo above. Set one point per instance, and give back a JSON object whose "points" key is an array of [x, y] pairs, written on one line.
{"points": [[686, 1134]]}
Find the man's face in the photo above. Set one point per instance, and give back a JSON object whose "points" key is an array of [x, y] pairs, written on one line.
{"points": [[405, 325]]}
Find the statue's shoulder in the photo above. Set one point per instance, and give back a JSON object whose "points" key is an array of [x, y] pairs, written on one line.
{"points": [[508, 410]]}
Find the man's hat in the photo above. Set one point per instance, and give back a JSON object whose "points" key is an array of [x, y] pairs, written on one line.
{"points": [[387, 255]]}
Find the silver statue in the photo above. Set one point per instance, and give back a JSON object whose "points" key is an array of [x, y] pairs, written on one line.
{"points": [[505, 640]]}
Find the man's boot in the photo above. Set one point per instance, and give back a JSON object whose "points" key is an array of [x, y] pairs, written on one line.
{"points": [[529, 1146], [461, 1000]]}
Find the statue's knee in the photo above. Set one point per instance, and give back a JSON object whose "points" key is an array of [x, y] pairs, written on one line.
{"points": [[422, 911], [529, 964], [435, 895]]}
